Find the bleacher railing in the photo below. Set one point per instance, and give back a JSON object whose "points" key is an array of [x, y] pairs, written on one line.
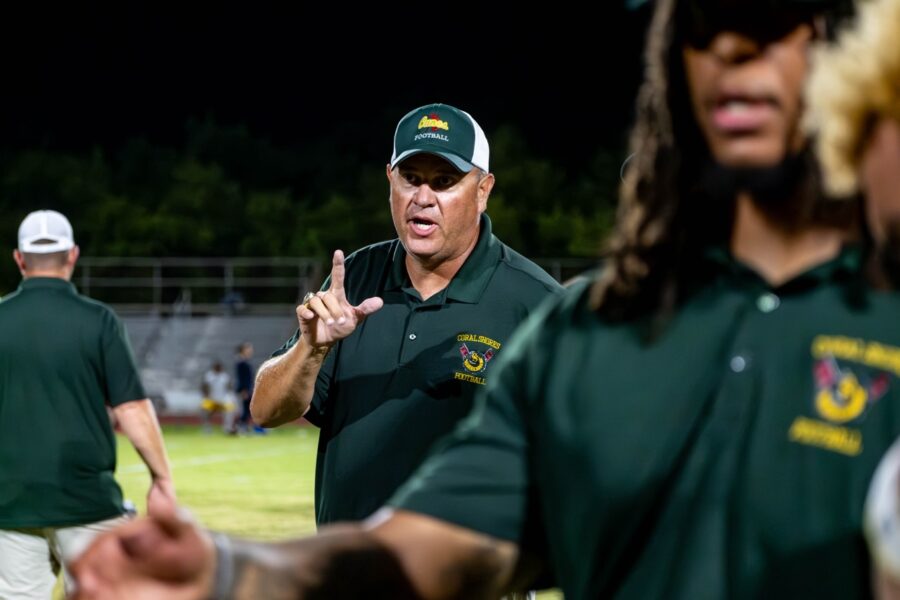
{"points": [[262, 285], [200, 286]]}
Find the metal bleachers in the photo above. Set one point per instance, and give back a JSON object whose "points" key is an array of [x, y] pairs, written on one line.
{"points": [[176, 351]]}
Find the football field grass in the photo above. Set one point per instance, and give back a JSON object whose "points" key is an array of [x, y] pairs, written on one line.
{"points": [[258, 486]]}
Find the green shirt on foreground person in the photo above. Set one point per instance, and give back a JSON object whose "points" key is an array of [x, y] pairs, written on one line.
{"points": [[785, 399]]}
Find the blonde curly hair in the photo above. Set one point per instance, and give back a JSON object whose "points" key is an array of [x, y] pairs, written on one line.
{"points": [[854, 83]]}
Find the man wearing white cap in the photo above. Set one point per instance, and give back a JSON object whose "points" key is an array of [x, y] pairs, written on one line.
{"points": [[63, 359], [387, 357]]}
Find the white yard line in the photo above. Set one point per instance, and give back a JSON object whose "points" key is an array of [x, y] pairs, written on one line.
{"points": [[202, 461]]}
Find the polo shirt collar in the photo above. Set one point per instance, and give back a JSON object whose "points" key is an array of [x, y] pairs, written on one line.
{"points": [[472, 278], [848, 264], [55, 283]]}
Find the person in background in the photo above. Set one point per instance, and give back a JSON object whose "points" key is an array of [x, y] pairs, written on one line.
{"points": [[64, 359], [243, 386], [217, 398]]}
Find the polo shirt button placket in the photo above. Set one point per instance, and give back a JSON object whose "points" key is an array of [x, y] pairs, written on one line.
{"points": [[768, 302]]}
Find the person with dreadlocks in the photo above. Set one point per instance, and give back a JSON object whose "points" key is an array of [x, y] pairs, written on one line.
{"points": [[701, 421]]}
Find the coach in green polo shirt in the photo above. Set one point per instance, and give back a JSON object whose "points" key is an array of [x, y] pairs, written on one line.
{"points": [[63, 359], [389, 354]]}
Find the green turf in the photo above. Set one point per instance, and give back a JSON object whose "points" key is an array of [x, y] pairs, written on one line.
{"points": [[258, 486], [255, 486]]}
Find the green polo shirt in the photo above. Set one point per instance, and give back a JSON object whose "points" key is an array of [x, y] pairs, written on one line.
{"points": [[729, 457], [63, 359], [405, 377]]}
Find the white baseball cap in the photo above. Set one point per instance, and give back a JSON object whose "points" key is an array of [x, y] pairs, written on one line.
{"points": [[45, 231]]}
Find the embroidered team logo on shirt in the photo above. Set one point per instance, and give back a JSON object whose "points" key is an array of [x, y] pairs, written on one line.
{"points": [[474, 362], [476, 352], [850, 375], [841, 395]]}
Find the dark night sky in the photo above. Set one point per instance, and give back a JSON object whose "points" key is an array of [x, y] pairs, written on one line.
{"points": [[75, 77]]}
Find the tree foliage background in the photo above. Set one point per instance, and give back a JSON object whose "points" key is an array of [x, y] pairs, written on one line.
{"points": [[227, 192]]}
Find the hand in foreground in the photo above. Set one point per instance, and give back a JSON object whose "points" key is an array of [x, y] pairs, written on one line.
{"points": [[163, 556]]}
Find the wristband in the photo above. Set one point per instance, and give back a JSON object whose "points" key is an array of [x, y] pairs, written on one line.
{"points": [[223, 580]]}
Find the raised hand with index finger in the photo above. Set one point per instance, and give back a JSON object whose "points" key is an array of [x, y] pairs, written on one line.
{"points": [[327, 317]]}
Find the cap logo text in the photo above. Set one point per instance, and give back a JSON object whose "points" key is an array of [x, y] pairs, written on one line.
{"points": [[434, 122]]}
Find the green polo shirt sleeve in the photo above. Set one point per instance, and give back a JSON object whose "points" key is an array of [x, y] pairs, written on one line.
{"points": [[123, 382], [479, 477], [316, 411]]}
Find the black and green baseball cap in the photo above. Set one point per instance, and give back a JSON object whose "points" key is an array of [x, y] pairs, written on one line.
{"points": [[444, 131]]}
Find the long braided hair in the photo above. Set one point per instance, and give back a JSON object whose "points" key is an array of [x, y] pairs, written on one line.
{"points": [[649, 245], [666, 218]]}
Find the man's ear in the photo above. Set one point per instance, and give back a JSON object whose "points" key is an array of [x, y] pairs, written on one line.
{"points": [[19, 259], [485, 185], [71, 259]]}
